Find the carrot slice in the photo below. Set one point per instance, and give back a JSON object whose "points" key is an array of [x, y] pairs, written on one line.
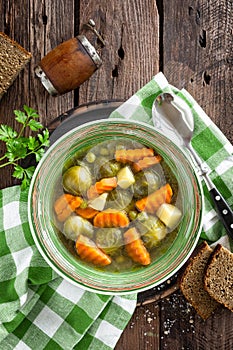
{"points": [[111, 218], [88, 251], [86, 213], [92, 192], [146, 162], [62, 216], [132, 155], [152, 202], [135, 247], [65, 205], [61, 202], [104, 185]]}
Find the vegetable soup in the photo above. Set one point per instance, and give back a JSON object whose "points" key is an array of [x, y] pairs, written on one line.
{"points": [[117, 206]]}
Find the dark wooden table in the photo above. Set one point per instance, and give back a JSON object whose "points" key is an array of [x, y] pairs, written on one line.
{"points": [[191, 42]]}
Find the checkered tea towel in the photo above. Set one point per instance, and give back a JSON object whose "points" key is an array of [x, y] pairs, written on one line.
{"points": [[40, 310], [209, 142]]}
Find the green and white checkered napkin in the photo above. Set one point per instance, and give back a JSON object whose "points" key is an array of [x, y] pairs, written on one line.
{"points": [[209, 142], [40, 310]]}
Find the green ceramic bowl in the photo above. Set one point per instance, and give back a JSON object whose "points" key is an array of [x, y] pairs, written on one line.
{"points": [[44, 185]]}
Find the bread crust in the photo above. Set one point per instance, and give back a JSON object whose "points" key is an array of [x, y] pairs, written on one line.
{"points": [[13, 42], [218, 277], [192, 283], [13, 58]]}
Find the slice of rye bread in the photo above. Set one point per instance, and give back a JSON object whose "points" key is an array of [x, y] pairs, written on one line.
{"points": [[192, 282], [13, 59], [218, 279]]}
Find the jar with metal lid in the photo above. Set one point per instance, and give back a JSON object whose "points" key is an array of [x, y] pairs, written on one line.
{"points": [[69, 64]]}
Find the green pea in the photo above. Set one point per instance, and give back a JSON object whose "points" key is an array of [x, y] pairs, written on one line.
{"points": [[119, 147], [120, 259], [132, 215], [83, 205], [104, 151], [90, 157]]}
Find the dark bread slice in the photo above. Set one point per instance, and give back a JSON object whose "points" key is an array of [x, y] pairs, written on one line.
{"points": [[218, 279], [13, 58], [192, 282]]}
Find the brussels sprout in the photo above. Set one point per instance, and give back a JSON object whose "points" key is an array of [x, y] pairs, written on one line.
{"points": [[108, 168], [115, 167], [145, 182], [151, 229], [76, 180], [106, 148], [74, 159], [143, 217], [109, 240], [75, 225], [154, 237], [119, 199]]}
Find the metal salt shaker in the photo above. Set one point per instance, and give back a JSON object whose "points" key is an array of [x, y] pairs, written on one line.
{"points": [[70, 64]]}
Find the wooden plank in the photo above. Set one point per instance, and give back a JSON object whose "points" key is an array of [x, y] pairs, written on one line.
{"points": [[197, 49], [142, 332], [38, 27], [17, 94], [53, 29], [182, 328], [197, 46], [40, 31], [198, 54], [10, 24], [131, 55], [130, 59]]}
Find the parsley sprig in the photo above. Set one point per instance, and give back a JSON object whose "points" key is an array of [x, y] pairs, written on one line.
{"points": [[19, 147]]}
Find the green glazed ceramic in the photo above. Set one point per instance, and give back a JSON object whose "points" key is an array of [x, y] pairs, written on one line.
{"points": [[44, 185]]}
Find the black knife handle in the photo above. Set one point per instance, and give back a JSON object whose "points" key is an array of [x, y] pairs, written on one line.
{"points": [[224, 211]]}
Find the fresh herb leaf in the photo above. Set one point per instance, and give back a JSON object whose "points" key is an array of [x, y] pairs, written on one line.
{"points": [[33, 143], [16, 149], [18, 172], [44, 138], [30, 171], [7, 133], [39, 154], [34, 125], [31, 112], [19, 147], [25, 183], [20, 116]]}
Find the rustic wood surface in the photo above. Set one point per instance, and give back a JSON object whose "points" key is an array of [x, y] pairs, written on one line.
{"points": [[191, 42]]}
